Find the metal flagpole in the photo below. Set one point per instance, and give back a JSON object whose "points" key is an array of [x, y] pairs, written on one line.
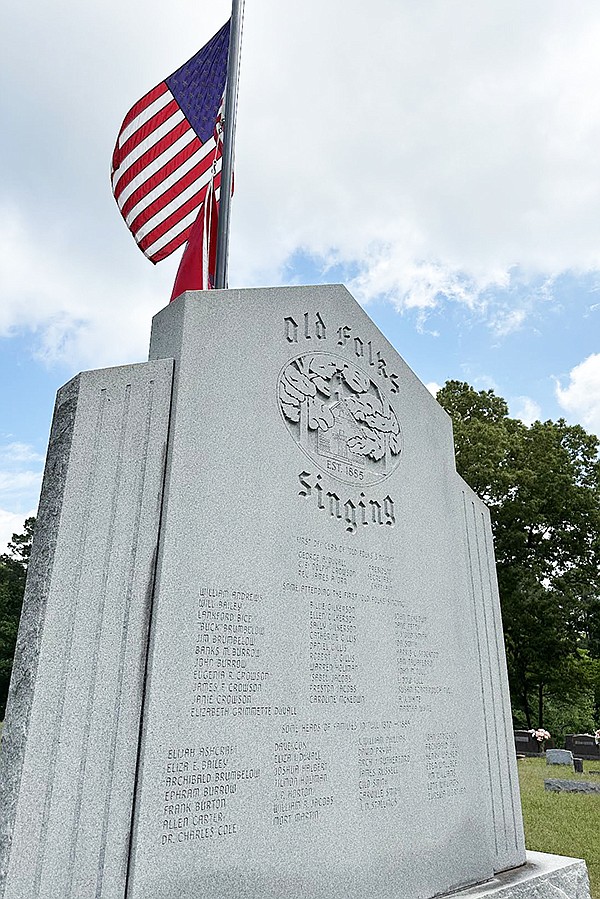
{"points": [[233, 69]]}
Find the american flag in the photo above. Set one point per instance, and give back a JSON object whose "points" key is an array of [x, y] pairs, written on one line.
{"points": [[168, 152]]}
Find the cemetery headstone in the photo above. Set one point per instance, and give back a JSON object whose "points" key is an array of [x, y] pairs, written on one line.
{"points": [[262, 607], [525, 743], [578, 766], [583, 745], [559, 757]]}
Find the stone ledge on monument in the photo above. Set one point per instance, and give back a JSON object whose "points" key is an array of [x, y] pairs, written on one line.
{"points": [[543, 876], [69, 746]]}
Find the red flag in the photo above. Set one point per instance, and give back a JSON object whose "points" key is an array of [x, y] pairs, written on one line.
{"points": [[199, 261]]}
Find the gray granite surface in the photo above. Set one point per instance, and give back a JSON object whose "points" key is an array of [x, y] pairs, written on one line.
{"points": [[70, 743], [327, 706], [18, 713]]}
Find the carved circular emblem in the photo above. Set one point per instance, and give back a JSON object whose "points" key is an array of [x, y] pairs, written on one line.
{"points": [[340, 417]]}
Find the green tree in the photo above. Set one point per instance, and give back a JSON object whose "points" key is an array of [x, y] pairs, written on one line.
{"points": [[542, 485], [13, 571]]}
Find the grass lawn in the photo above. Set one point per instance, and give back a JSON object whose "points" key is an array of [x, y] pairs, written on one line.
{"points": [[562, 823]]}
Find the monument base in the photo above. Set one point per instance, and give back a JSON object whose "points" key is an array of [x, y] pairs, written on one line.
{"points": [[544, 876]]}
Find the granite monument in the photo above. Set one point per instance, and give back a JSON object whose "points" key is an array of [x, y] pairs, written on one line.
{"points": [[262, 607]]}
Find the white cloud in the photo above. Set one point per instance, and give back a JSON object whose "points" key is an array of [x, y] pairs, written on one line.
{"points": [[526, 409], [430, 148], [391, 271], [12, 453], [433, 388], [507, 321], [84, 320], [20, 481], [479, 380], [16, 482], [580, 398], [455, 146]]}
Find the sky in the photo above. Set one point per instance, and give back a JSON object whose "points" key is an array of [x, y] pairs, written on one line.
{"points": [[440, 158]]}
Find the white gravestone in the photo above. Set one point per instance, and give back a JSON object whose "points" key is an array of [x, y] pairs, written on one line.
{"points": [[324, 637]]}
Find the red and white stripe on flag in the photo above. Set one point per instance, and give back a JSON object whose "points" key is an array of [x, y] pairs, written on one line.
{"points": [[161, 171], [168, 151]]}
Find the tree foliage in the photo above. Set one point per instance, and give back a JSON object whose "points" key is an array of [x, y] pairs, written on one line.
{"points": [[13, 571], [542, 485]]}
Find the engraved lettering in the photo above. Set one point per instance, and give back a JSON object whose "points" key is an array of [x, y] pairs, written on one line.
{"points": [[319, 489], [333, 659], [381, 761], [372, 511], [313, 327], [441, 753], [381, 366], [388, 511], [363, 509], [343, 335], [300, 781], [203, 781], [228, 649], [350, 516], [320, 327], [375, 511], [291, 329], [373, 357], [305, 485], [334, 504], [306, 331], [370, 345]]}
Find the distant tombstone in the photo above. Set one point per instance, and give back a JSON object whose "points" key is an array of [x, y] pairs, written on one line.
{"points": [[559, 757], [583, 745], [578, 766], [261, 609], [526, 743]]}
